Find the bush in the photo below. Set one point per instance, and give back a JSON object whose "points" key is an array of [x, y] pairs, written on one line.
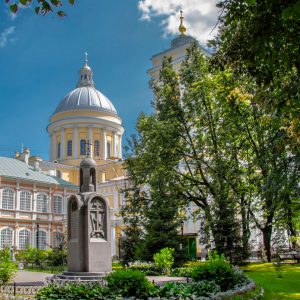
{"points": [[164, 260], [148, 268], [182, 272], [217, 269], [127, 283], [189, 290], [72, 291], [7, 267]]}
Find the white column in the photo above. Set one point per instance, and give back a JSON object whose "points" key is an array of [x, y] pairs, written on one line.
{"points": [[91, 141], [115, 145], [62, 143], [75, 146], [51, 147], [104, 146], [54, 146], [120, 145]]}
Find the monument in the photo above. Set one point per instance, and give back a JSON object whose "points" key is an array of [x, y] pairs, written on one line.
{"points": [[89, 234]]}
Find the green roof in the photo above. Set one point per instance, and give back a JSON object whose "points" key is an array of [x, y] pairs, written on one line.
{"points": [[16, 169]]}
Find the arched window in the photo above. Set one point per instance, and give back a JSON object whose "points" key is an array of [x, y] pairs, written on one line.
{"points": [[24, 239], [58, 150], [97, 148], [69, 148], [25, 200], [82, 147], [6, 237], [108, 145], [58, 205], [8, 199], [41, 238], [58, 239], [42, 203]]}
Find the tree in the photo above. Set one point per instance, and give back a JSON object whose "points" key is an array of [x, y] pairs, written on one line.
{"points": [[261, 38], [7, 267], [40, 6]]}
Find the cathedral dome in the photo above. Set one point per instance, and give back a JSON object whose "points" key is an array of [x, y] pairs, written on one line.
{"points": [[85, 96]]}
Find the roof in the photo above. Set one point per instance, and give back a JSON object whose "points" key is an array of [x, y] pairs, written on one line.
{"points": [[16, 169]]}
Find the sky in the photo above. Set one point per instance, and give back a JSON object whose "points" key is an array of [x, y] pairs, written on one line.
{"points": [[40, 59]]}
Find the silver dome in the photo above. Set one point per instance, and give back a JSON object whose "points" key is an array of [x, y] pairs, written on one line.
{"points": [[85, 98]]}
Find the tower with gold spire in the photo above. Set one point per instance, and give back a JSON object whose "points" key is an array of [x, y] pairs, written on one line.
{"points": [[177, 51]]}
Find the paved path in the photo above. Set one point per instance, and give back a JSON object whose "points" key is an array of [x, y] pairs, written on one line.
{"points": [[28, 276]]}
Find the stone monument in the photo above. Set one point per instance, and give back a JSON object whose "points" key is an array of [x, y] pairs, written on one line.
{"points": [[89, 234]]}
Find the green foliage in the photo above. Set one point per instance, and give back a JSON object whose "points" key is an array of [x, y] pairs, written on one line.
{"points": [[217, 269], [189, 290], [40, 6], [164, 260], [71, 291], [128, 283], [182, 272], [148, 268], [7, 267]]}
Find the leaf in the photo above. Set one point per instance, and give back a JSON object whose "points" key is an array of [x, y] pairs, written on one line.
{"points": [[61, 13], [37, 10], [14, 8], [23, 2], [72, 1]]}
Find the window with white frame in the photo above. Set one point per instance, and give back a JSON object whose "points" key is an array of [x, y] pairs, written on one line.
{"points": [[69, 148], [82, 147], [6, 237], [58, 204], [108, 149], [25, 200], [8, 199], [58, 239], [42, 203], [96, 148], [41, 237], [24, 239]]}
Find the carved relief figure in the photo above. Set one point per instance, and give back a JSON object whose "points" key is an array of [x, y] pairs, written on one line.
{"points": [[97, 217]]}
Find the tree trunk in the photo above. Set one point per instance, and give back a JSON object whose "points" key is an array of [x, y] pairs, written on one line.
{"points": [[267, 231]]}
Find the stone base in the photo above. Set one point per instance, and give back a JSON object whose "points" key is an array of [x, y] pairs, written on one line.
{"points": [[84, 277]]}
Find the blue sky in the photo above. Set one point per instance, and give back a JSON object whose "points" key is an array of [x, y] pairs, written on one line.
{"points": [[40, 58]]}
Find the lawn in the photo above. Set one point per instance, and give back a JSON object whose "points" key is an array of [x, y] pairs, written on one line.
{"points": [[265, 274]]}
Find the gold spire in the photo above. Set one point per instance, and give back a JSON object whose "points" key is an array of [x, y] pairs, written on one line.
{"points": [[181, 28]]}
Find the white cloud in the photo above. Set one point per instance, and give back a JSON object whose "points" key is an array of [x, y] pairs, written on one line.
{"points": [[5, 36], [200, 16]]}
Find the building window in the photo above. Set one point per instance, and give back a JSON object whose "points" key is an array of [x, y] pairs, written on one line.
{"points": [[8, 199], [108, 145], [58, 239], [24, 239], [97, 148], [25, 201], [69, 148], [6, 237], [42, 203], [58, 205], [58, 150], [41, 238], [82, 147]]}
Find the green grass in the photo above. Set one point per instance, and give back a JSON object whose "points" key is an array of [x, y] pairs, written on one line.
{"points": [[265, 275]]}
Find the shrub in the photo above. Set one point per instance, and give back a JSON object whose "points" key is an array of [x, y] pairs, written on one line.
{"points": [[7, 267], [217, 269], [164, 260], [71, 291], [182, 272], [127, 283], [146, 267], [189, 290]]}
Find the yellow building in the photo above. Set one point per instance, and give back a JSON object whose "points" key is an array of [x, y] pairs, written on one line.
{"points": [[86, 124]]}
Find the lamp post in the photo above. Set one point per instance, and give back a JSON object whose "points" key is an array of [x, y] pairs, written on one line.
{"points": [[37, 233], [181, 227]]}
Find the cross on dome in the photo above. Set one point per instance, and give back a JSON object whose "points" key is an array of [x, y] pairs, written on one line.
{"points": [[86, 74]]}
